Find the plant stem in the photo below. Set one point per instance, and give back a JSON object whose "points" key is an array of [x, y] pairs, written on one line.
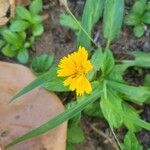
{"points": [[108, 44], [69, 11], [119, 144]]}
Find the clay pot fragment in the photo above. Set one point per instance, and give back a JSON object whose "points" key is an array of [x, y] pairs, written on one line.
{"points": [[28, 112]]}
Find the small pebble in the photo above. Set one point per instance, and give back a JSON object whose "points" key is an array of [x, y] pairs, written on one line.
{"points": [[146, 47]]}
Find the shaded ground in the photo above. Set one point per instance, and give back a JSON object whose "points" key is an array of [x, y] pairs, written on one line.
{"points": [[61, 41]]}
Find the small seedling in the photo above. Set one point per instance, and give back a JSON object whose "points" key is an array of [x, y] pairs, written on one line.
{"points": [[42, 64], [19, 36], [139, 17]]}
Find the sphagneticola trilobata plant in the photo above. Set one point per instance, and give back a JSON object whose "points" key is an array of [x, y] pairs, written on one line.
{"points": [[96, 77], [19, 35]]}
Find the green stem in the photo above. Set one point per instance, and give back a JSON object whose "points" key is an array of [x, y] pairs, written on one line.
{"points": [[69, 11], [108, 44], [119, 144]]}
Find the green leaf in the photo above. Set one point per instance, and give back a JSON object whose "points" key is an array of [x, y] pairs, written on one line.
{"points": [[36, 6], [113, 17], [139, 122], [69, 22], [37, 29], [139, 7], [49, 80], [141, 59], [53, 123], [23, 13], [138, 94], [36, 83], [132, 20], [96, 59], [139, 30], [22, 35], [70, 146], [147, 80], [117, 72], [91, 14], [7, 51], [2, 43], [36, 19], [131, 142], [75, 134], [23, 56], [146, 17], [108, 62], [42, 63], [19, 25], [12, 38], [129, 123], [93, 110], [108, 104], [148, 6], [56, 85]]}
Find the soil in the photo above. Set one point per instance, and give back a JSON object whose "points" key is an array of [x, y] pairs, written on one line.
{"points": [[61, 41]]}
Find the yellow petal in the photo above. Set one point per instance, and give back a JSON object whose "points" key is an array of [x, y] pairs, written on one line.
{"points": [[75, 66], [83, 85]]}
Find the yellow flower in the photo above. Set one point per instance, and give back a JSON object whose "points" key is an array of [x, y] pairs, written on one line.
{"points": [[75, 66]]}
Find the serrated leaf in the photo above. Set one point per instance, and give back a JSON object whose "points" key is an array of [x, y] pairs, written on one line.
{"points": [[138, 94], [69, 22], [19, 25], [139, 30], [117, 72], [139, 7], [113, 17], [23, 13], [108, 106], [96, 59], [131, 142], [132, 20], [141, 59], [129, 110], [108, 62], [66, 115], [146, 17], [36, 6], [139, 122], [91, 14], [23, 56]]}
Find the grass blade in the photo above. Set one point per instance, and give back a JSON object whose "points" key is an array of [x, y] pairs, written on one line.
{"points": [[66, 115]]}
